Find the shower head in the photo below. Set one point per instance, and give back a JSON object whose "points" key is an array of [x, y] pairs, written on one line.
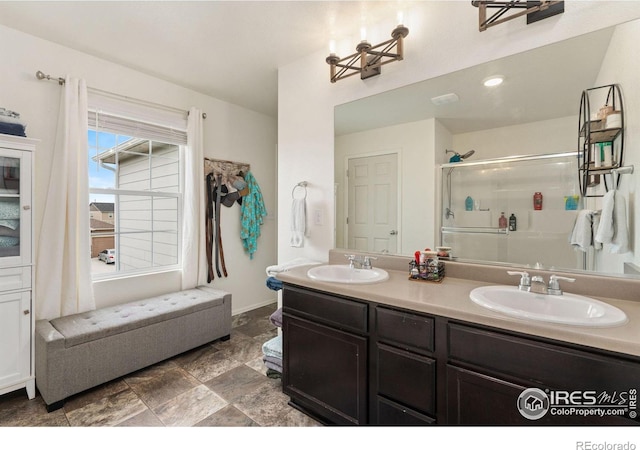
{"points": [[457, 157], [469, 153]]}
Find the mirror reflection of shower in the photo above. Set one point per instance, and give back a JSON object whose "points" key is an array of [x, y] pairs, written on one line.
{"points": [[457, 157]]}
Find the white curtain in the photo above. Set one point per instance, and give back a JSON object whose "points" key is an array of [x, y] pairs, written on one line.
{"points": [[63, 261], [194, 262]]}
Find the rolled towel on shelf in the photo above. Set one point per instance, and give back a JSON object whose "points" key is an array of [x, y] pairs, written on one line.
{"points": [[274, 284], [276, 318], [274, 366], [296, 262], [273, 347]]}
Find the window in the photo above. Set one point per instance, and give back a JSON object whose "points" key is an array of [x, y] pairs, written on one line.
{"points": [[135, 195]]}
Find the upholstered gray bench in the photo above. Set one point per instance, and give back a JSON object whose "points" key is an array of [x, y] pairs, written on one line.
{"points": [[81, 351]]}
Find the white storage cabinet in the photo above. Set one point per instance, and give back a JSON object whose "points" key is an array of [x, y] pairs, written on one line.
{"points": [[16, 271]]}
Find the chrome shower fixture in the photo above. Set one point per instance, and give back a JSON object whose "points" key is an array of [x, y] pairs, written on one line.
{"points": [[457, 157]]}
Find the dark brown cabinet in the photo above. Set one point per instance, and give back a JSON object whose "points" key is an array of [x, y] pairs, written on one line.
{"points": [[404, 374], [325, 364], [488, 370], [352, 362]]}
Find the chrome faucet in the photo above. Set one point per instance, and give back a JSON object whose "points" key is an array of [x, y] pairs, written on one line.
{"points": [[554, 286], [366, 263], [537, 285], [525, 280], [362, 262], [353, 260]]}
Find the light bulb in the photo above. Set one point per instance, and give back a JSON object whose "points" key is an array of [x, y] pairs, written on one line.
{"points": [[363, 33]]}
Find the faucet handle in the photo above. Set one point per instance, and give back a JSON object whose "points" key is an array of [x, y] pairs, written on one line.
{"points": [[525, 280], [554, 286], [366, 263]]}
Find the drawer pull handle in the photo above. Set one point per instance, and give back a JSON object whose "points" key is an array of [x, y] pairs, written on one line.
{"points": [[26, 312]]}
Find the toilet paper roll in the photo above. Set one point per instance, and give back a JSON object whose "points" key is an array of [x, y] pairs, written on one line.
{"points": [[614, 120]]}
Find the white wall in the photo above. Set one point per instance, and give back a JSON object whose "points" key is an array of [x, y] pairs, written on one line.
{"points": [[546, 136], [618, 67], [231, 132], [443, 37]]}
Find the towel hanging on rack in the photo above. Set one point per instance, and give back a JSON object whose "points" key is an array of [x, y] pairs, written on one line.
{"points": [[298, 216], [612, 229], [581, 237]]}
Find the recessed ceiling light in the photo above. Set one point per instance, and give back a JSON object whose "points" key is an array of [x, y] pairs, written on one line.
{"points": [[494, 80]]}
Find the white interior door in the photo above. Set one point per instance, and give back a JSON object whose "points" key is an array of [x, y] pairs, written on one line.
{"points": [[372, 203]]}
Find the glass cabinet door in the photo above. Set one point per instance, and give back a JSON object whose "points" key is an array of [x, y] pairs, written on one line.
{"points": [[9, 207]]}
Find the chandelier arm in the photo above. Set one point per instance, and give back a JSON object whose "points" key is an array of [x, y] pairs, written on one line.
{"points": [[385, 52], [506, 6], [499, 13]]}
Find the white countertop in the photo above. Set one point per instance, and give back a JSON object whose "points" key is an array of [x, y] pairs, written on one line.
{"points": [[450, 298]]}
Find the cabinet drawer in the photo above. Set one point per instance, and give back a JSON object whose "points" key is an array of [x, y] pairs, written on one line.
{"points": [[407, 378], [339, 312], [549, 364], [408, 330], [14, 278], [394, 414]]}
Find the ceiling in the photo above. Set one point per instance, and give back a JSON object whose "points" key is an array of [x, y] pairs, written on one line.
{"points": [[229, 50]]}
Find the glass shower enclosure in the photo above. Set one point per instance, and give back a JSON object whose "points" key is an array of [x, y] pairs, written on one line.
{"points": [[476, 194]]}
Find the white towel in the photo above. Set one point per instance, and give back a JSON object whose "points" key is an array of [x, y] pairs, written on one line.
{"points": [[298, 222], [296, 262], [613, 223], [581, 236], [273, 347], [594, 227]]}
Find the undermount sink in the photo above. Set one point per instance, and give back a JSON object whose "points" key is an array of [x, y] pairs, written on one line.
{"points": [[337, 273], [570, 309]]}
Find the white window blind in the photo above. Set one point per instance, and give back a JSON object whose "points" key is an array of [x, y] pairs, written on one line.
{"points": [[135, 118]]}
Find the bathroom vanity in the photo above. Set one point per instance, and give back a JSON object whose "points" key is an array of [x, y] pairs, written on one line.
{"points": [[414, 353]]}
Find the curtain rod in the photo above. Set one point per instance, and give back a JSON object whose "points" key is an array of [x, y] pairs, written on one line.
{"points": [[61, 81]]}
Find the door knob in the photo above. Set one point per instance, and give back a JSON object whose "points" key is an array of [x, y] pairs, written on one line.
{"points": [[393, 232], [26, 312]]}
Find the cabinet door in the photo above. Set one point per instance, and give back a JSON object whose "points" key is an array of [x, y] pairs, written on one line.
{"points": [[325, 371], [476, 399], [15, 341], [15, 208]]}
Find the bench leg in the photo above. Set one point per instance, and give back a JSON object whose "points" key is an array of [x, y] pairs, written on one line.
{"points": [[55, 406]]}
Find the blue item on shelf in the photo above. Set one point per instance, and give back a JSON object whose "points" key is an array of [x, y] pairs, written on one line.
{"points": [[274, 284]]}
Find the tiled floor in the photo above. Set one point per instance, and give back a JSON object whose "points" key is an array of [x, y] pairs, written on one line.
{"points": [[218, 384]]}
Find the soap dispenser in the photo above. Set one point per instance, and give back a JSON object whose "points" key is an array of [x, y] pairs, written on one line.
{"points": [[502, 221]]}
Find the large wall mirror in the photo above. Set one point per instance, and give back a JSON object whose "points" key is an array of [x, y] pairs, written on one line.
{"points": [[391, 161]]}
